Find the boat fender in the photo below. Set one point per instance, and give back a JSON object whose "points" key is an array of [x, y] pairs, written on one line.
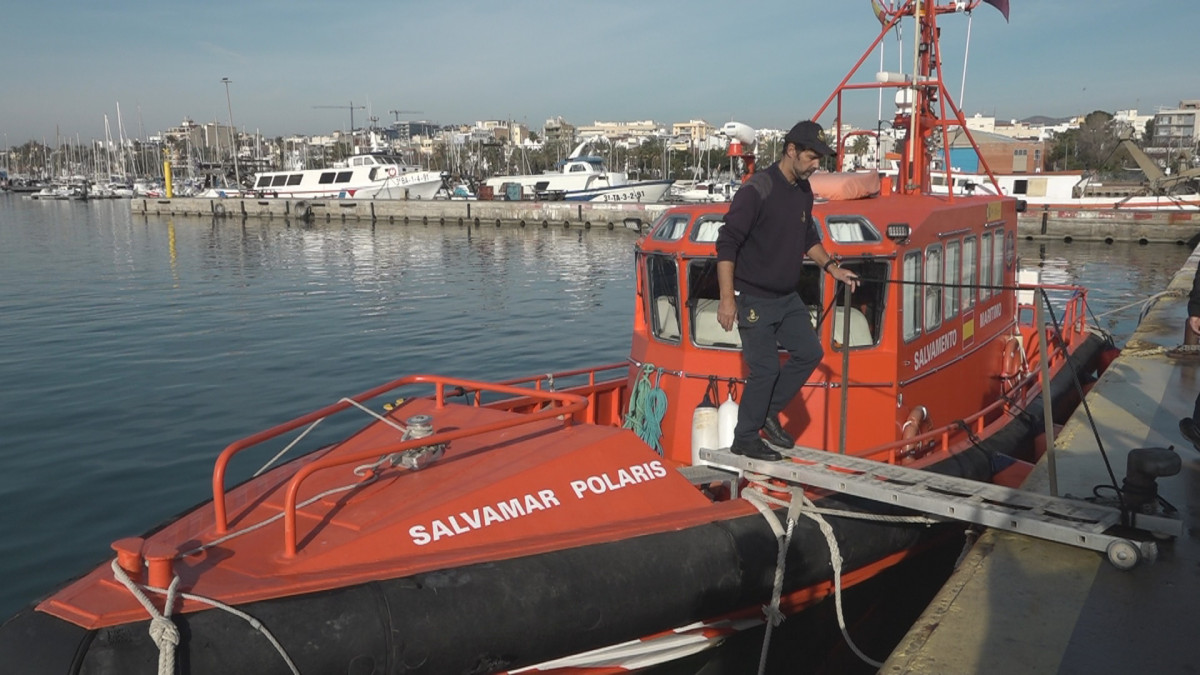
{"points": [[704, 424], [917, 417], [1106, 358], [303, 210], [727, 416]]}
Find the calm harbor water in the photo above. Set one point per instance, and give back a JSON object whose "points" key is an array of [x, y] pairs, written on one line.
{"points": [[132, 349]]}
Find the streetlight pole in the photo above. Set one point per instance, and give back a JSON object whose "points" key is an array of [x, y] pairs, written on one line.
{"points": [[233, 134]]}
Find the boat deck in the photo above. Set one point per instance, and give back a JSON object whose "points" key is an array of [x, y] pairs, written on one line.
{"points": [[1022, 605]]}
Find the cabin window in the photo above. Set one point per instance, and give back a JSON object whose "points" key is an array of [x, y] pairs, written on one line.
{"points": [[279, 181], [295, 179], [706, 228], [985, 267], [671, 227], [575, 168], [866, 306], [910, 307], [263, 181], [953, 278], [344, 176], [809, 290], [663, 284], [1020, 187], [704, 295], [851, 229], [933, 287], [969, 266], [327, 178], [998, 260]]}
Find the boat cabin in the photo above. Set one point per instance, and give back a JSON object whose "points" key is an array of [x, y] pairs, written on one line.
{"points": [[581, 165], [359, 170], [931, 302]]}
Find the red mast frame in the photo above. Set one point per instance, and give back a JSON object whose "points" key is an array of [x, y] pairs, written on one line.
{"points": [[928, 88]]}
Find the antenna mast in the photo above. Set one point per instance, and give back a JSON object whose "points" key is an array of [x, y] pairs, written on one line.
{"points": [[922, 98]]}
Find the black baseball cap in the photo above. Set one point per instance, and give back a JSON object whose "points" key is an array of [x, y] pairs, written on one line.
{"points": [[809, 134]]}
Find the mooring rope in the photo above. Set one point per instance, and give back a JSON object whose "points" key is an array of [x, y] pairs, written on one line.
{"points": [[163, 630], [165, 633], [784, 537], [800, 504]]}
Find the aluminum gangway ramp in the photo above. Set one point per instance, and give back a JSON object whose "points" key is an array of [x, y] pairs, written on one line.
{"points": [[1068, 521]]}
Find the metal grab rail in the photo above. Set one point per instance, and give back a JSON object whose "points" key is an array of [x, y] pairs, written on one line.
{"points": [[1072, 326], [567, 405], [1072, 322]]}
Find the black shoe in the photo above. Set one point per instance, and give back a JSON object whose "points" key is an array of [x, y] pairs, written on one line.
{"points": [[1190, 431], [754, 449], [774, 433]]}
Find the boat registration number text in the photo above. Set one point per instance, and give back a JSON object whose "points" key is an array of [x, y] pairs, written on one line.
{"points": [[628, 196]]}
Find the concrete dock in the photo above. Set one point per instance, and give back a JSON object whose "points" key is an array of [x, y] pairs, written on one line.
{"points": [[1028, 606], [1109, 226]]}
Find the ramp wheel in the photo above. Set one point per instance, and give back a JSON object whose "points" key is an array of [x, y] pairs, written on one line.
{"points": [[1124, 555]]}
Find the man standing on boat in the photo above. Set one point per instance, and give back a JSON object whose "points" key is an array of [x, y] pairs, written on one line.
{"points": [[760, 250], [1190, 426]]}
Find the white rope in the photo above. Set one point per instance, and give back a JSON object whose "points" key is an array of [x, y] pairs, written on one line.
{"points": [[287, 447], [254, 623], [759, 482], [165, 633], [805, 507], [396, 425], [356, 404], [1177, 350], [1143, 303], [163, 630], [784, 538]]}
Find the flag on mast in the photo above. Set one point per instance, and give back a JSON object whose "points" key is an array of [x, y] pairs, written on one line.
{"points": [[1001, 5], [877, 7]]}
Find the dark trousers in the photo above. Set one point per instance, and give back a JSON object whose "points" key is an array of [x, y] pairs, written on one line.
{"points": [[766, 324]]}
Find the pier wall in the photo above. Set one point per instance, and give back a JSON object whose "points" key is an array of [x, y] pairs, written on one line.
{"points": [[1110, 226], [443, 212]]}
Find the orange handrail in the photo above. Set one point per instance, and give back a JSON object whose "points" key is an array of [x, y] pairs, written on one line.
{"points": [[569, 404], [1073, 325]]}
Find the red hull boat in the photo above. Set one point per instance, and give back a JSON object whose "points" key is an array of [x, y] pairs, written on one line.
{"points": [[491, 527]]}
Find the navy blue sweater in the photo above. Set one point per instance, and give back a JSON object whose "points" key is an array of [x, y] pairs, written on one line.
{"points": [[767, 239]]}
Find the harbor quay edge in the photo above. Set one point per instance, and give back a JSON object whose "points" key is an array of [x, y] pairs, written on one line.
{"points": [[1109, 226]]}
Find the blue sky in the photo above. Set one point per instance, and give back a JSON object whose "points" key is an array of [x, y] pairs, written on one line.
{"points": [[767, 63]]}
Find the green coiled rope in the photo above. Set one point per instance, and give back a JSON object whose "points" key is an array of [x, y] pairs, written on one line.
{"points": [[647, 407]]}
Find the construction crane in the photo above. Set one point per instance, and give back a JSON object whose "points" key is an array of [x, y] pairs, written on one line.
{"points": [[1157, 182], [351, 107], [398, 113]]}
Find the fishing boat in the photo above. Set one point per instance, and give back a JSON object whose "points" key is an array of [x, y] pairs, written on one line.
{"points": [[582, 178], [571, 522], [367, 176]]}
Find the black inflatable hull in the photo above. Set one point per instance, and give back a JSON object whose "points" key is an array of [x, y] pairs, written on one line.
{"points": [[510, 613]]}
